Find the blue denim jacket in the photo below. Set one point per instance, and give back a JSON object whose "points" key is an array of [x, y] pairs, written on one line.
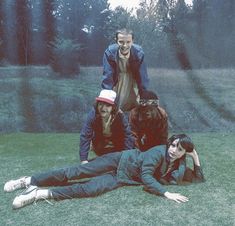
{"points": [[92, 132], [137, 67]]}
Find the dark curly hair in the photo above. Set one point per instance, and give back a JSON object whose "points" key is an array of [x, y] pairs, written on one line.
{"points": [[148, 95]]}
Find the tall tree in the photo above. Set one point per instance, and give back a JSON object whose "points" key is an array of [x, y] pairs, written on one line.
{"points": [[40, 29], [118, 18], [1, 32], [23, 31], [199, 12], [9, 32], [83, 21]]}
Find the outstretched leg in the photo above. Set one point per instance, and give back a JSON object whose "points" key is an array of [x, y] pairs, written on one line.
{"points": [[100, 165], [96, 186]]}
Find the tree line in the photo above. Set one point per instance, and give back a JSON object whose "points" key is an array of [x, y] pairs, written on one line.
{"points": [[172, 33]]}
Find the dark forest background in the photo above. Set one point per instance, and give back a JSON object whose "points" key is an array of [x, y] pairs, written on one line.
{"points": [[51, 60], [173, 34]]}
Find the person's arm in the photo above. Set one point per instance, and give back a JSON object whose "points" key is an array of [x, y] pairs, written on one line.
{"points": [[151, 161], [129, 138], [143, 71], [86, 137], [197, 172], [163, 133], [194, 156], [108, 72], [178, 174], [144, 76], [134, 127]]}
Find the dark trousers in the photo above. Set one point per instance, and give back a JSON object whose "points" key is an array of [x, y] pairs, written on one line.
{"points": [[102, 170]]}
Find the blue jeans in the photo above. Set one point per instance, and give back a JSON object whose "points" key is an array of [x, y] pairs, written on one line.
{"points": [[102, 170]]}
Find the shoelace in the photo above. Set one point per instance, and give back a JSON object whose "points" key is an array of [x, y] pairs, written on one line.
{"points": [[45, 199], [36, 200], [18, 193]]}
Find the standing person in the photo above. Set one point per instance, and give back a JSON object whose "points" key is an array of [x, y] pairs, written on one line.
{"points": [[124, 69], [148, 122], [106, 128], [132, 167]]}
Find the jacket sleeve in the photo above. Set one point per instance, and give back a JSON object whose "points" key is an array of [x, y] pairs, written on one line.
{"points": [[143, 75], [198, 174], [108, 72], [134, 127], [152, 160], [163, 133], [178, 174], [86, 136], [129, 138]]}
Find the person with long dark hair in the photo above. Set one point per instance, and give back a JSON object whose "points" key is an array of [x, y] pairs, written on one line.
{"points": [[153, 168], [148, 122], [106, 128]]}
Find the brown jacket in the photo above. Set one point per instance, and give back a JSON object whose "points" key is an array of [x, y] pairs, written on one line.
{"points": [[149, 133]]}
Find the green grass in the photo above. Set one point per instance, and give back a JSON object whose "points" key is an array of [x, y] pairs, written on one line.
{"points": [[211, 203], [34, 91], [34, 99], [198, 100]]}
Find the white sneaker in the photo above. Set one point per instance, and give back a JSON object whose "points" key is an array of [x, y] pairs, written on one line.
{"points": [[13, 185], [26, 198]]}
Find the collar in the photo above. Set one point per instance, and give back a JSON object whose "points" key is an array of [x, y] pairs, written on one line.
{"points": [[167, 157]]}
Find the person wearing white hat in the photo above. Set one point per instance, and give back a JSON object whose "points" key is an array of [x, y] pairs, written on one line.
{"points": [[106, 128]]}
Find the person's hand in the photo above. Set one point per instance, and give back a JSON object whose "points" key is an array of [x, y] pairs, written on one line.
{"points": [[84, 162], [176, 197], [194, 156]]}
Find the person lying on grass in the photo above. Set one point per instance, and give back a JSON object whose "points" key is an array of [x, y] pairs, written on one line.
{"points": [[111, 171]]}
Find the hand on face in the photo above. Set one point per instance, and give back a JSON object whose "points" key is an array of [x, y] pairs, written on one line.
{"points": [[104, 109], [192, 154]]}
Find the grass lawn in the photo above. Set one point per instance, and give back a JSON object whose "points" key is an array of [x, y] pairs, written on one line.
{"points": [[211, 203], [34, 99]]}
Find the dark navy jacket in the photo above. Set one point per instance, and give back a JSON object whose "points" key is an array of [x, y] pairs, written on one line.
{"points": [[136, 62], [149, 168], [92, 132]]}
